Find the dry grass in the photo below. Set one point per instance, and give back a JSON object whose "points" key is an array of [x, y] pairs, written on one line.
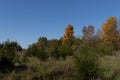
{"points": [[110, 67]]}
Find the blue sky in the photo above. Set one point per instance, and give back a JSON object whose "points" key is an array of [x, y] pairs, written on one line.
{"points": [[25, 21]]}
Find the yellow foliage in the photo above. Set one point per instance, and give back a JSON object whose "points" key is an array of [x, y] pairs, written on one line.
{"points": [[109, 33], [69, 33]]}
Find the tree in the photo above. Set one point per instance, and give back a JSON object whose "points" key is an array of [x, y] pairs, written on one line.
{"points": [[53, 52], [52, 43], [109, 33], [119, 28], [69, 34], [37, 51], [65, 51], [42, 42], [8, 49], [7, 54], [88, 33]]}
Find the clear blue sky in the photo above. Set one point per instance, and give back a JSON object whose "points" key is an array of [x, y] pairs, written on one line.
{"points": [[25, 21]]}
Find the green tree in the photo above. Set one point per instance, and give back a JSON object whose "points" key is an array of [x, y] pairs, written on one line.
{"points": [[7, 54], [42, 42], [65, 51], [37, 51], [8, 49], [53, 52]]}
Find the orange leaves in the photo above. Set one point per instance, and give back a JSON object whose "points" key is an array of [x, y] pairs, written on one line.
{"points": [[109, 30], [69, 33]]}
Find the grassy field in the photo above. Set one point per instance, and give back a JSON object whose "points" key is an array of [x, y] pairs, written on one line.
{"points": [[64, 69], [110, 67]]}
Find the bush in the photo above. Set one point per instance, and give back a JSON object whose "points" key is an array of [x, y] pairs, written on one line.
{"points": [[41, 54], [53, 52], [65, 51], [104, 49], [37, 51], [6, 65], [86, 64], [7, 54], [8, 50]]}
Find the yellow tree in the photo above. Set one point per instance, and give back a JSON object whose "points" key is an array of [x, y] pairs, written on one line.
{"points": [[69, 33], [109, 33]]}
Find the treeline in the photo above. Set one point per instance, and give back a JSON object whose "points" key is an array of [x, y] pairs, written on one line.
{"points": [[69, 58]]}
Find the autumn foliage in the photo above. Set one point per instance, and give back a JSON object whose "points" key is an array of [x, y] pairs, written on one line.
{"points": [[109, 32], [69, 33]]}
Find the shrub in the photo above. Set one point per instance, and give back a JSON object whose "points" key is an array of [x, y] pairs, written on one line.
{"points": [[37, 51], [104, 49], [65, 51], [86, 64], [7, 54], [53, 52]]}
